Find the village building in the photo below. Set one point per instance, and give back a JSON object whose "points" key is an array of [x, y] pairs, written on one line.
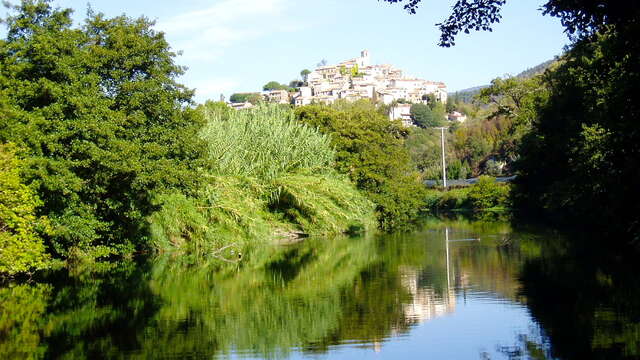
{"points": [[401, 112], [457, 116], [277, 96], [241, 105], [357, 78]]}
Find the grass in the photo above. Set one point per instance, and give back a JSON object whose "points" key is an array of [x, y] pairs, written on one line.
{"points": [[264, 143], [267, 175]]}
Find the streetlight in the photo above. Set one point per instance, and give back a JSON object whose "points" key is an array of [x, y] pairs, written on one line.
{"points": [[444, 165]]}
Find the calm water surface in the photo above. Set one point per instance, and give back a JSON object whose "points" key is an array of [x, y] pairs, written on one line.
{"points": [[453, 290]]}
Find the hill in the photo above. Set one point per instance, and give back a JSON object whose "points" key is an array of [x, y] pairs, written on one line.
{"points": [[467, 95]]}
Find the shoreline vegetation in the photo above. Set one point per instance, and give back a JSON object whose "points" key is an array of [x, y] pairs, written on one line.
{"points": [[103, 153], [107, 155]]}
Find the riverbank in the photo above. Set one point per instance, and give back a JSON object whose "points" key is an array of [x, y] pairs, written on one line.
{"points": [[485, 195]]}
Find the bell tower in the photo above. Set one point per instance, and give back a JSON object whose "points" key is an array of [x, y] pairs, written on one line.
{"points": [[365, 58]]}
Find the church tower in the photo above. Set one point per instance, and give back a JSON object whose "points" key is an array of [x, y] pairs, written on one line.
{"points": [[365, 58]]}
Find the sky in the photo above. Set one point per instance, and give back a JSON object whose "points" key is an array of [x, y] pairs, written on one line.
{"points": [[240, 45]]}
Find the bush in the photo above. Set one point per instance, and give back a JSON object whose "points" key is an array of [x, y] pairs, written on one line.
{"points": [[487, 193]]}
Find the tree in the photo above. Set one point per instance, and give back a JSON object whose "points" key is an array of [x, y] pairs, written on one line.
{"points": [[582, 152], [21, 245], [305, 74], [581, 19], [424, 116], [103, 122], [274, 85], [253, 98], [370, 151]]}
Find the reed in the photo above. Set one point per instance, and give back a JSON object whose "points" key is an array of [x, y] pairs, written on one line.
{"points": [[264, 143], [267, 175]]}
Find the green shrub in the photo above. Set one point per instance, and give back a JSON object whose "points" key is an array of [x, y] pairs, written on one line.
{"points": [[487, 193], [228, 211], [326, 204], [21, 246]]}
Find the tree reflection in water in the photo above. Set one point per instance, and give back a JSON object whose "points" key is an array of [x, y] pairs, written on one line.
{"points": [[312, 296]]}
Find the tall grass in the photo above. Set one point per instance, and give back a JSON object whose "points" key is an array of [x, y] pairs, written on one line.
{"points": [[268, 175], [264, 142]]}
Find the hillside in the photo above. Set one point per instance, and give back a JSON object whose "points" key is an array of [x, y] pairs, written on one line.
{"points": [[466, 95]]}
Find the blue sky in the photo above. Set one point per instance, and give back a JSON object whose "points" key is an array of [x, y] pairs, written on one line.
{"points": [[239, 45]]}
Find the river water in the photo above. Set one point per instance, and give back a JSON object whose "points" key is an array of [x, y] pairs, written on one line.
{"points": [[455, 289]]}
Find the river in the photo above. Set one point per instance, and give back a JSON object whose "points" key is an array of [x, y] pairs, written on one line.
{"points": [[455, 289]]}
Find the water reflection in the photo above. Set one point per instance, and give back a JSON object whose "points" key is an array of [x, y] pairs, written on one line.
{"points": [[455, 289]]}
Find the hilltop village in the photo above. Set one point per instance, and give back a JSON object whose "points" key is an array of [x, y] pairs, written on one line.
{"points": [[357, 79]]}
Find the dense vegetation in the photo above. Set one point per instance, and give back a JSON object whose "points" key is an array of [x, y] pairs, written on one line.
{"points": [[253, 98], [582, 154], [485, 195], [110, 156], [21, 244], [266, 175], [370, 150], [576, 129], [101, 120]]}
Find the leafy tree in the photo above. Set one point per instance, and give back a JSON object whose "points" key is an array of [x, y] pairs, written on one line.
{"points": [[253, 98], [21, 245], [370, 150], [487, 193], [581, 19], [582, 153], [305, 74], [274, 85], [424, 117], [103, 122]]}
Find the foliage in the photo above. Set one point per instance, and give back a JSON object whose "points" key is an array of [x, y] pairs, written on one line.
{"points": [[274, 85], [426, 116], [253, 98], [21, 246], [489, 142], [305, 74], [484, 195], [22, 311], [581, 19], [582, 153], [487, 193], [267, 175], [369, 149], [425, 149], [264, 143], [102, 121]]}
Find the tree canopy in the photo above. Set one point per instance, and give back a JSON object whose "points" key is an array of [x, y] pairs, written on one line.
{"points": [[581, 18], [370, 151], [103, 122]]}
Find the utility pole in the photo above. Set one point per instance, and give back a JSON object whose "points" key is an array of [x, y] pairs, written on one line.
{"points": [[444, 165]]}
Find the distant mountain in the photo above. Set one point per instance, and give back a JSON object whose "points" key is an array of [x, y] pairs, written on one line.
{"points": [[538, 69], [466, 95]]}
